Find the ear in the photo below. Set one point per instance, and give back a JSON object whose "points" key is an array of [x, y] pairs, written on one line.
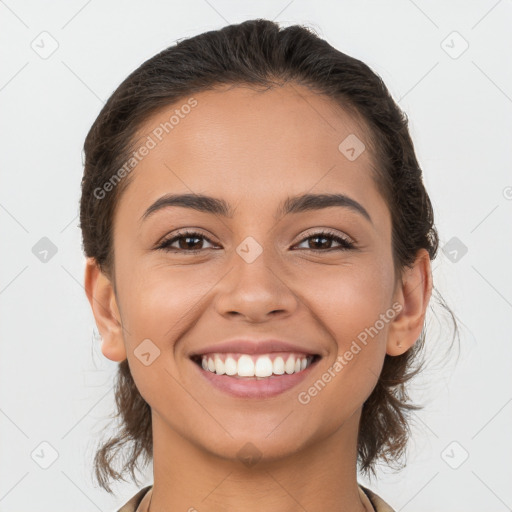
{"points": [[101, 296], [413, 293]]}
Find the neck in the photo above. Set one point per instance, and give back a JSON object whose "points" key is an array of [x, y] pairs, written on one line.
{"points": [[320, 476]]}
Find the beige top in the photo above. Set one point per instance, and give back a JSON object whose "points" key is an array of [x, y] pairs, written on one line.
{"points": [[140, 502]]}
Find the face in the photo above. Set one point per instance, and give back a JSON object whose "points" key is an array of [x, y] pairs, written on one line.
{"points": [[317, 276]]}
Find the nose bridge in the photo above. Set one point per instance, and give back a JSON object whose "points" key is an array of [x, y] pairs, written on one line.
{"points": [[255, 265], [254, 287]]}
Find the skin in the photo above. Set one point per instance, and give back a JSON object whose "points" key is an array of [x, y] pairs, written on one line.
{"points": [[253, 149]]}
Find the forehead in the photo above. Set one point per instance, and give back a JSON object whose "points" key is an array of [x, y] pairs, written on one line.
{"points": [[239, 142]]}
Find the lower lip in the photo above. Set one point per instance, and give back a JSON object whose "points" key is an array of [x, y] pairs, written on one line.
{"points": [[255, 387]]}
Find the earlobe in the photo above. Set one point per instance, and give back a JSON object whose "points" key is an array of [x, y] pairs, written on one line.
{"points": [[414, 295], [101, 297]]}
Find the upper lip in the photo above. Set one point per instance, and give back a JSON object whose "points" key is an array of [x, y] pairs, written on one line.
{"points": [[246, 346]]}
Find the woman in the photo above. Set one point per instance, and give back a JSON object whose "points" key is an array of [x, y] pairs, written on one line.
{"points": [[259, 244]]}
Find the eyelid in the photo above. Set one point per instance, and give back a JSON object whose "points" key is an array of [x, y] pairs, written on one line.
{"points": [[327, 231], [345, 241], [182, 232], [165, 241]]}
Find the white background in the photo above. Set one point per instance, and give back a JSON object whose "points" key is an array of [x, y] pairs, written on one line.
{"points": [[56, 384]]}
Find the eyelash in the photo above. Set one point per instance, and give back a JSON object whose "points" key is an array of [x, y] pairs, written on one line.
{"points": [[345, 244]]}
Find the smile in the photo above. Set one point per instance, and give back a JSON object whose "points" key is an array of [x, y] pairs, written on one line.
{"points": [[262, 366], [255, 376]]}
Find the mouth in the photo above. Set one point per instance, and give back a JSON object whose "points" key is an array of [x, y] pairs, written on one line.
{"points": [[255, 376], [261, 366]]}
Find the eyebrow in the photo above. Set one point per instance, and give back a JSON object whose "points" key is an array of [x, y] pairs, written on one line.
{"points": [[294, 204]]}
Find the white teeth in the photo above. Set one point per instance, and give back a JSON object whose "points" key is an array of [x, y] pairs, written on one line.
{"points": [[289, 367], [261, 367], [230, 366], [264, 367], [245, 366], [219, 366], [278, 366]]}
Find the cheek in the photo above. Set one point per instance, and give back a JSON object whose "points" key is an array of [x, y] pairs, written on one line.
{"points": [[161, 302], [350, 299], [348, 306]]}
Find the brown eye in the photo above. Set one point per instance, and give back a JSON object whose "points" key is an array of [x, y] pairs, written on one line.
{"points": [[323, 242], [188, 241], [192, 242]]}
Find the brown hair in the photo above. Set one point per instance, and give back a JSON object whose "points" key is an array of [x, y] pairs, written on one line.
{"points": [[259, 53]]}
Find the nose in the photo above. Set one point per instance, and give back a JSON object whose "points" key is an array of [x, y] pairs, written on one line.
{"points": [[256, 291]]}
